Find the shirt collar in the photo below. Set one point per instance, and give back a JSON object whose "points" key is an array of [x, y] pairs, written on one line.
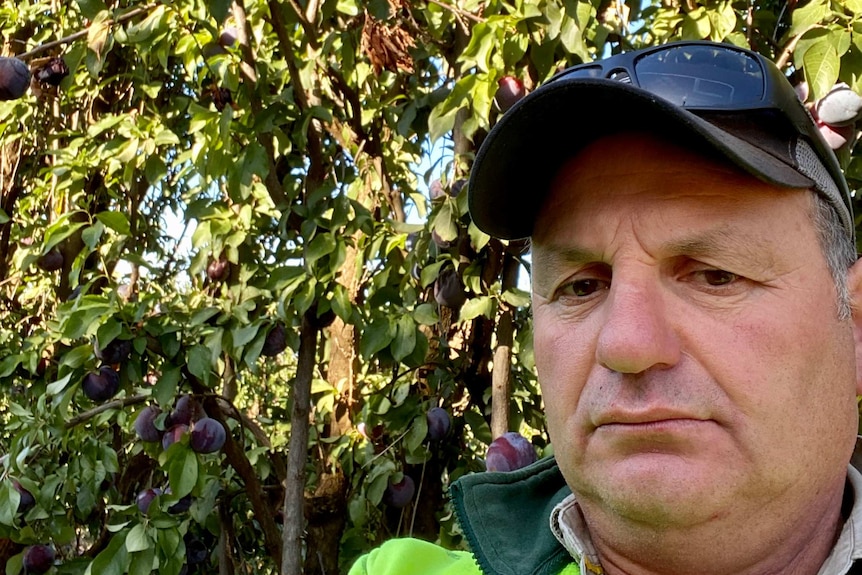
{"points": [[568, 526]]}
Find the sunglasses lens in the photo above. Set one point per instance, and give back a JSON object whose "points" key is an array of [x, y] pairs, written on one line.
{"points": [[695, 76]]}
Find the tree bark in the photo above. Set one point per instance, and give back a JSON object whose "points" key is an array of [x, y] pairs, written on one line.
{"points": [[294, 488], [501, 386]]}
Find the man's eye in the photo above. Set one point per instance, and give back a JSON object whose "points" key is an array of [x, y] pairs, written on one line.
{"points": [[584, 288], [718, 277]]}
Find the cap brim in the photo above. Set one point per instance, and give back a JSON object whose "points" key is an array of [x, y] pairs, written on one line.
{"points": [[526, 148]]}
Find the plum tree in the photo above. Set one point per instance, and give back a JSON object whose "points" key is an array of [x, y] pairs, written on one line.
{"points": [[14, 78], [438, 423], [208, 436], [400, 493], [101, 385], [38, 559], [145, 424], [509, 452]]}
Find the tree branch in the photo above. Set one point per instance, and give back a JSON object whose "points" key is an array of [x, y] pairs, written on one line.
{"points": [[116, 404], [457, 11], [294, 492], [83, 33]]}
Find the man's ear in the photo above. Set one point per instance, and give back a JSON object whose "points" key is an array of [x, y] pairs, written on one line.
{"points": [[854, 286]]}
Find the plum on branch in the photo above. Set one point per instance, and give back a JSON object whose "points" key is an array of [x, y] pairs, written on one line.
{"points": [[448, 289], [399, 494], [208, 436], [51, 261], [174, 434], [117, 351], [101, 385], [509, 91], [438, 423], [38, 559], [145, 424], [14, 78], [275, 342], [26, 501], [509, 452]]}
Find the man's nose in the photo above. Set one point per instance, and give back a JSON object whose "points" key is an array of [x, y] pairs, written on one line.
{"points": [[637, 333]]}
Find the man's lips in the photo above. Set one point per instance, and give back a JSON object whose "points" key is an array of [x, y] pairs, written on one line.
{"points": [[652, 418]]}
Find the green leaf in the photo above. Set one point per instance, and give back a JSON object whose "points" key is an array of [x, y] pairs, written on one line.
{"points": [[59, 385], [137, 539], [183, 471], [143, 562], [113, 560], [822, 64], [219, 9], [117, 221], [166, 387], [807, 16], [445, 223], [9, 499], [200, 361], [696, 25], [349, 7], [417, 433], [482, 305], [322, 245], [426, 314], [516, 297], [405, 337], [4, 217], [723, 21], [376, 336]]}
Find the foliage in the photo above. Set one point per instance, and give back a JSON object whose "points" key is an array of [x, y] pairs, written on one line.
{"points": [[234, 188]]}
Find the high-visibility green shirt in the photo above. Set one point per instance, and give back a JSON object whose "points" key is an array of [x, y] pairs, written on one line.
{"points": [[416, 557], [505, 518]]}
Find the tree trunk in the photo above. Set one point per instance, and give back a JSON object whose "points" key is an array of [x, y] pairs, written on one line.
{"points": [[501, 386], [294, 488]]}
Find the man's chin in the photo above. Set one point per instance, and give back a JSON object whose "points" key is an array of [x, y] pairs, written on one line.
{"points": [[656, 489]]}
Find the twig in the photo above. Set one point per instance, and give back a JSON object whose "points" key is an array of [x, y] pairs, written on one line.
{"points": [[82, 33], [116, 404], [781, 61], [457, 11], [418, 493]]}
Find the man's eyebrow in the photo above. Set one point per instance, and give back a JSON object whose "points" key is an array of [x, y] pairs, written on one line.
{"points": [[725, 241]]}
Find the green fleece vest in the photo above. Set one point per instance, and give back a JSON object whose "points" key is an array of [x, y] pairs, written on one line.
{"points": [[505, 518]]}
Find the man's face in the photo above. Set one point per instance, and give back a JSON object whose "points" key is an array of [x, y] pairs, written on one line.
{"points": [[687, 339]]}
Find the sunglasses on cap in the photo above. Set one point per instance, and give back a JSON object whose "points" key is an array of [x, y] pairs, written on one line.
{"points": [[732, 99]]}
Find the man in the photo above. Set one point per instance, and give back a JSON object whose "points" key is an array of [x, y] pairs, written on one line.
{"points": [[694, 293]]}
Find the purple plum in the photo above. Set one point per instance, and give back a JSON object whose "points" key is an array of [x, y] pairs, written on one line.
{"points": [[145, 425], [399, 494], [438, 423], [208, 436], [509, 452]]}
